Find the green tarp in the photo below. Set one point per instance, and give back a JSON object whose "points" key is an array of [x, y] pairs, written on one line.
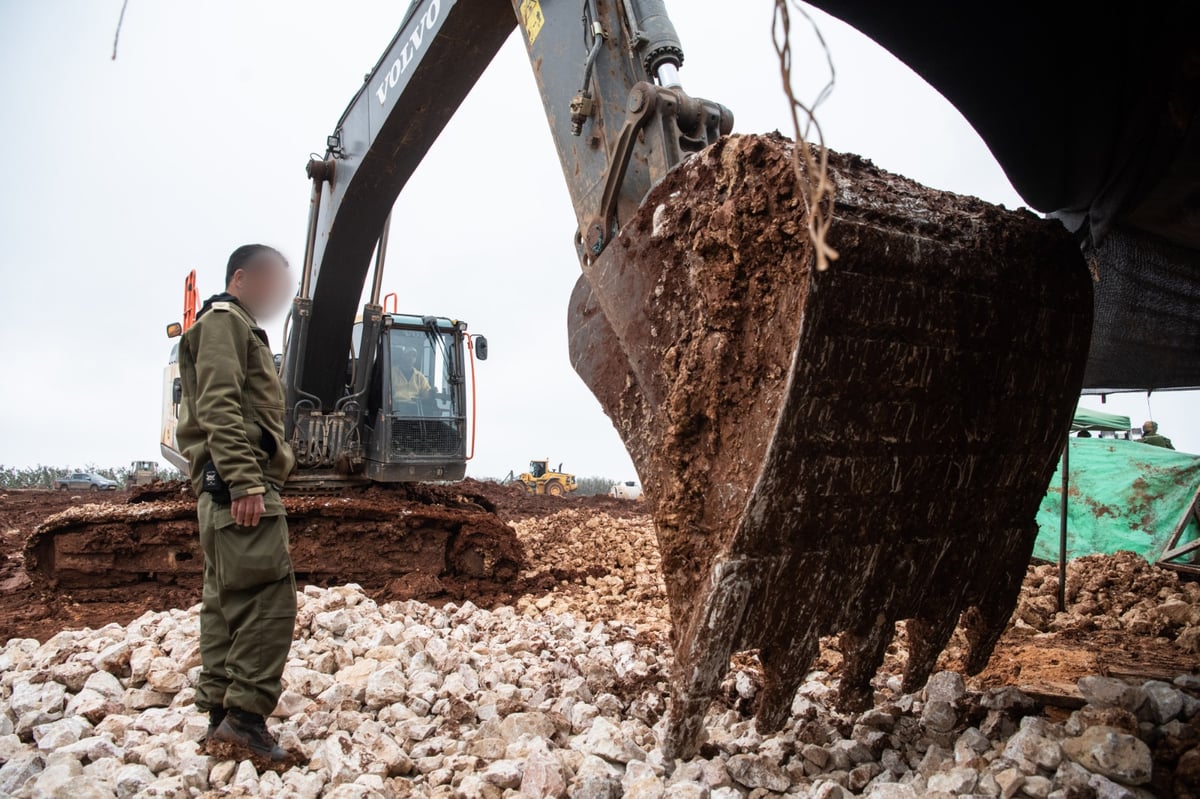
{"points": [[1088, 419], [1122, 495]]}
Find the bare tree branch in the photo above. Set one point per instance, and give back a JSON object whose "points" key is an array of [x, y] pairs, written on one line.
{"points": [[117, 36]]}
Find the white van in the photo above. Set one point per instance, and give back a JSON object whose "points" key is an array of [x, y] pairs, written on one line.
{"points": [[630, 489]]}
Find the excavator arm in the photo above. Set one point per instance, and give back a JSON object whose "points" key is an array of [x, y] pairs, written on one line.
{"points": [[823, 452], [404, 103], [619, 118]]}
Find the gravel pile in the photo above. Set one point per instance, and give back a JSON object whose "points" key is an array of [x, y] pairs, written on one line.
{"points": [[561, 694]]}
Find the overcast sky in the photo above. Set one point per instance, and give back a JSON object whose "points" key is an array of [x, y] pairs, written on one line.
{"points": [[122, 176]]}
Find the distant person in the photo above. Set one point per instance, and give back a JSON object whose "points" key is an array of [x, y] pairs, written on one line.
{"points": [[1150, 436], [408, 382], [1084, 434], [231, 429]]}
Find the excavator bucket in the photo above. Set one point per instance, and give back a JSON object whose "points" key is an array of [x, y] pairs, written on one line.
{"points": [[832, 452]]}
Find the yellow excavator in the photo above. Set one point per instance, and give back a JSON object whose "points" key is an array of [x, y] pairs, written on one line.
{"points": [[541, 479], [823, 451]]}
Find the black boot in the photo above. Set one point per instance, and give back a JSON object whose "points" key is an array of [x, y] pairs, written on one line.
{"points": [[249, 731], [215, 717]]}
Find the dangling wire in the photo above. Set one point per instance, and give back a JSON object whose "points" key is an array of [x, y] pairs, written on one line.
{"points": [[812, 168], [117, 35]]}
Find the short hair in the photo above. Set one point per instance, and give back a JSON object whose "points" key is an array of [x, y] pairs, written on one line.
{"points": [[239, 258], [1150, 427]]}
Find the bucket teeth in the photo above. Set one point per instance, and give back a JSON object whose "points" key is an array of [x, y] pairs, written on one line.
{"points": [[927, 637], [985, 624], [863, 649], [783, 673], [831, 452]]}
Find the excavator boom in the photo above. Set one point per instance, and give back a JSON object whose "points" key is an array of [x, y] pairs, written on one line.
{"points": [[823, 452], [403, 105]]}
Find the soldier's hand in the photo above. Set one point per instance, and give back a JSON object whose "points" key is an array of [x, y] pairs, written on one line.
{"points": [[247, 510]]}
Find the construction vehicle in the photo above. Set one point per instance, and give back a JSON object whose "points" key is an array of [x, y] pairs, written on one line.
{"points": [[628, 489], [541, 479], [837, 431], [141, 473]]}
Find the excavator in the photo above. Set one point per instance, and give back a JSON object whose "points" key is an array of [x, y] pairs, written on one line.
{"points": [[823, 451]]}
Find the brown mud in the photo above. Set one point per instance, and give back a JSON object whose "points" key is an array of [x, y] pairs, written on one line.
{"points": [[223, 750]]}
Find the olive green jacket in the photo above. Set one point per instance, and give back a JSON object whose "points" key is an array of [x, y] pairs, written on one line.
{"points": [[232, 411], [1155, 440]]}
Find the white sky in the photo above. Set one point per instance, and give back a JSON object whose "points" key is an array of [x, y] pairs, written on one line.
{"points": [[122, 176]]}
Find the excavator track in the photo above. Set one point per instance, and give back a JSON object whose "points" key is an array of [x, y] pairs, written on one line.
{"points": [[832, 452], [408, 533]]}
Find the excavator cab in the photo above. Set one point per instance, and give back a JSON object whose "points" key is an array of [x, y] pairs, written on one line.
{"points": [[418, 411]]}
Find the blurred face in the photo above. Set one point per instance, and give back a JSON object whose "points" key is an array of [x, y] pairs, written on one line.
{"points": [[408, 359], [263, 285]]}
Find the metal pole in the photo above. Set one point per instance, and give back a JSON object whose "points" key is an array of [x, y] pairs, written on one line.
{"points": [[380, 257], [1062, 527]]}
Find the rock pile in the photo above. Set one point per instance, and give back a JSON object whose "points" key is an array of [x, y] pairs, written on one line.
{"points": [[603, 566], [562, 693], [406, 699], [1121, 592]]}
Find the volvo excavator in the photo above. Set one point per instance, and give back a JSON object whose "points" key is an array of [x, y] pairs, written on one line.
{"points": [[824, 452]]}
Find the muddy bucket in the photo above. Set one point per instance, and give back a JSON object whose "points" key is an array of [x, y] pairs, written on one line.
{"points": [[832, 452]]}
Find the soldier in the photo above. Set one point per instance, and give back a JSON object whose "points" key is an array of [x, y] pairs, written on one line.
{"points": [[231, 431], [1150, 436]]}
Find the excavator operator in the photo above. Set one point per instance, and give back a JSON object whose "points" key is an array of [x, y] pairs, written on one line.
{"points": [[409, 383], [231, 430]]}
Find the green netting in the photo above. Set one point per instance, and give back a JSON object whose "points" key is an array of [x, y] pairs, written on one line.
{"points": [[1122, 495]]}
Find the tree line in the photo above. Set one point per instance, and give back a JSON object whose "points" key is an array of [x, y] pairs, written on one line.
{"points": [[44, 476]]}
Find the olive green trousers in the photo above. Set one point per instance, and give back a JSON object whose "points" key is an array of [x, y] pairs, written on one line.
{"points": [[247, 609]]}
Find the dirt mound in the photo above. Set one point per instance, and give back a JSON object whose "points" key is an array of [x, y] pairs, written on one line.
{"points": [[1120, 593], [513, 502], [1125, 617], [607, 565]]}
